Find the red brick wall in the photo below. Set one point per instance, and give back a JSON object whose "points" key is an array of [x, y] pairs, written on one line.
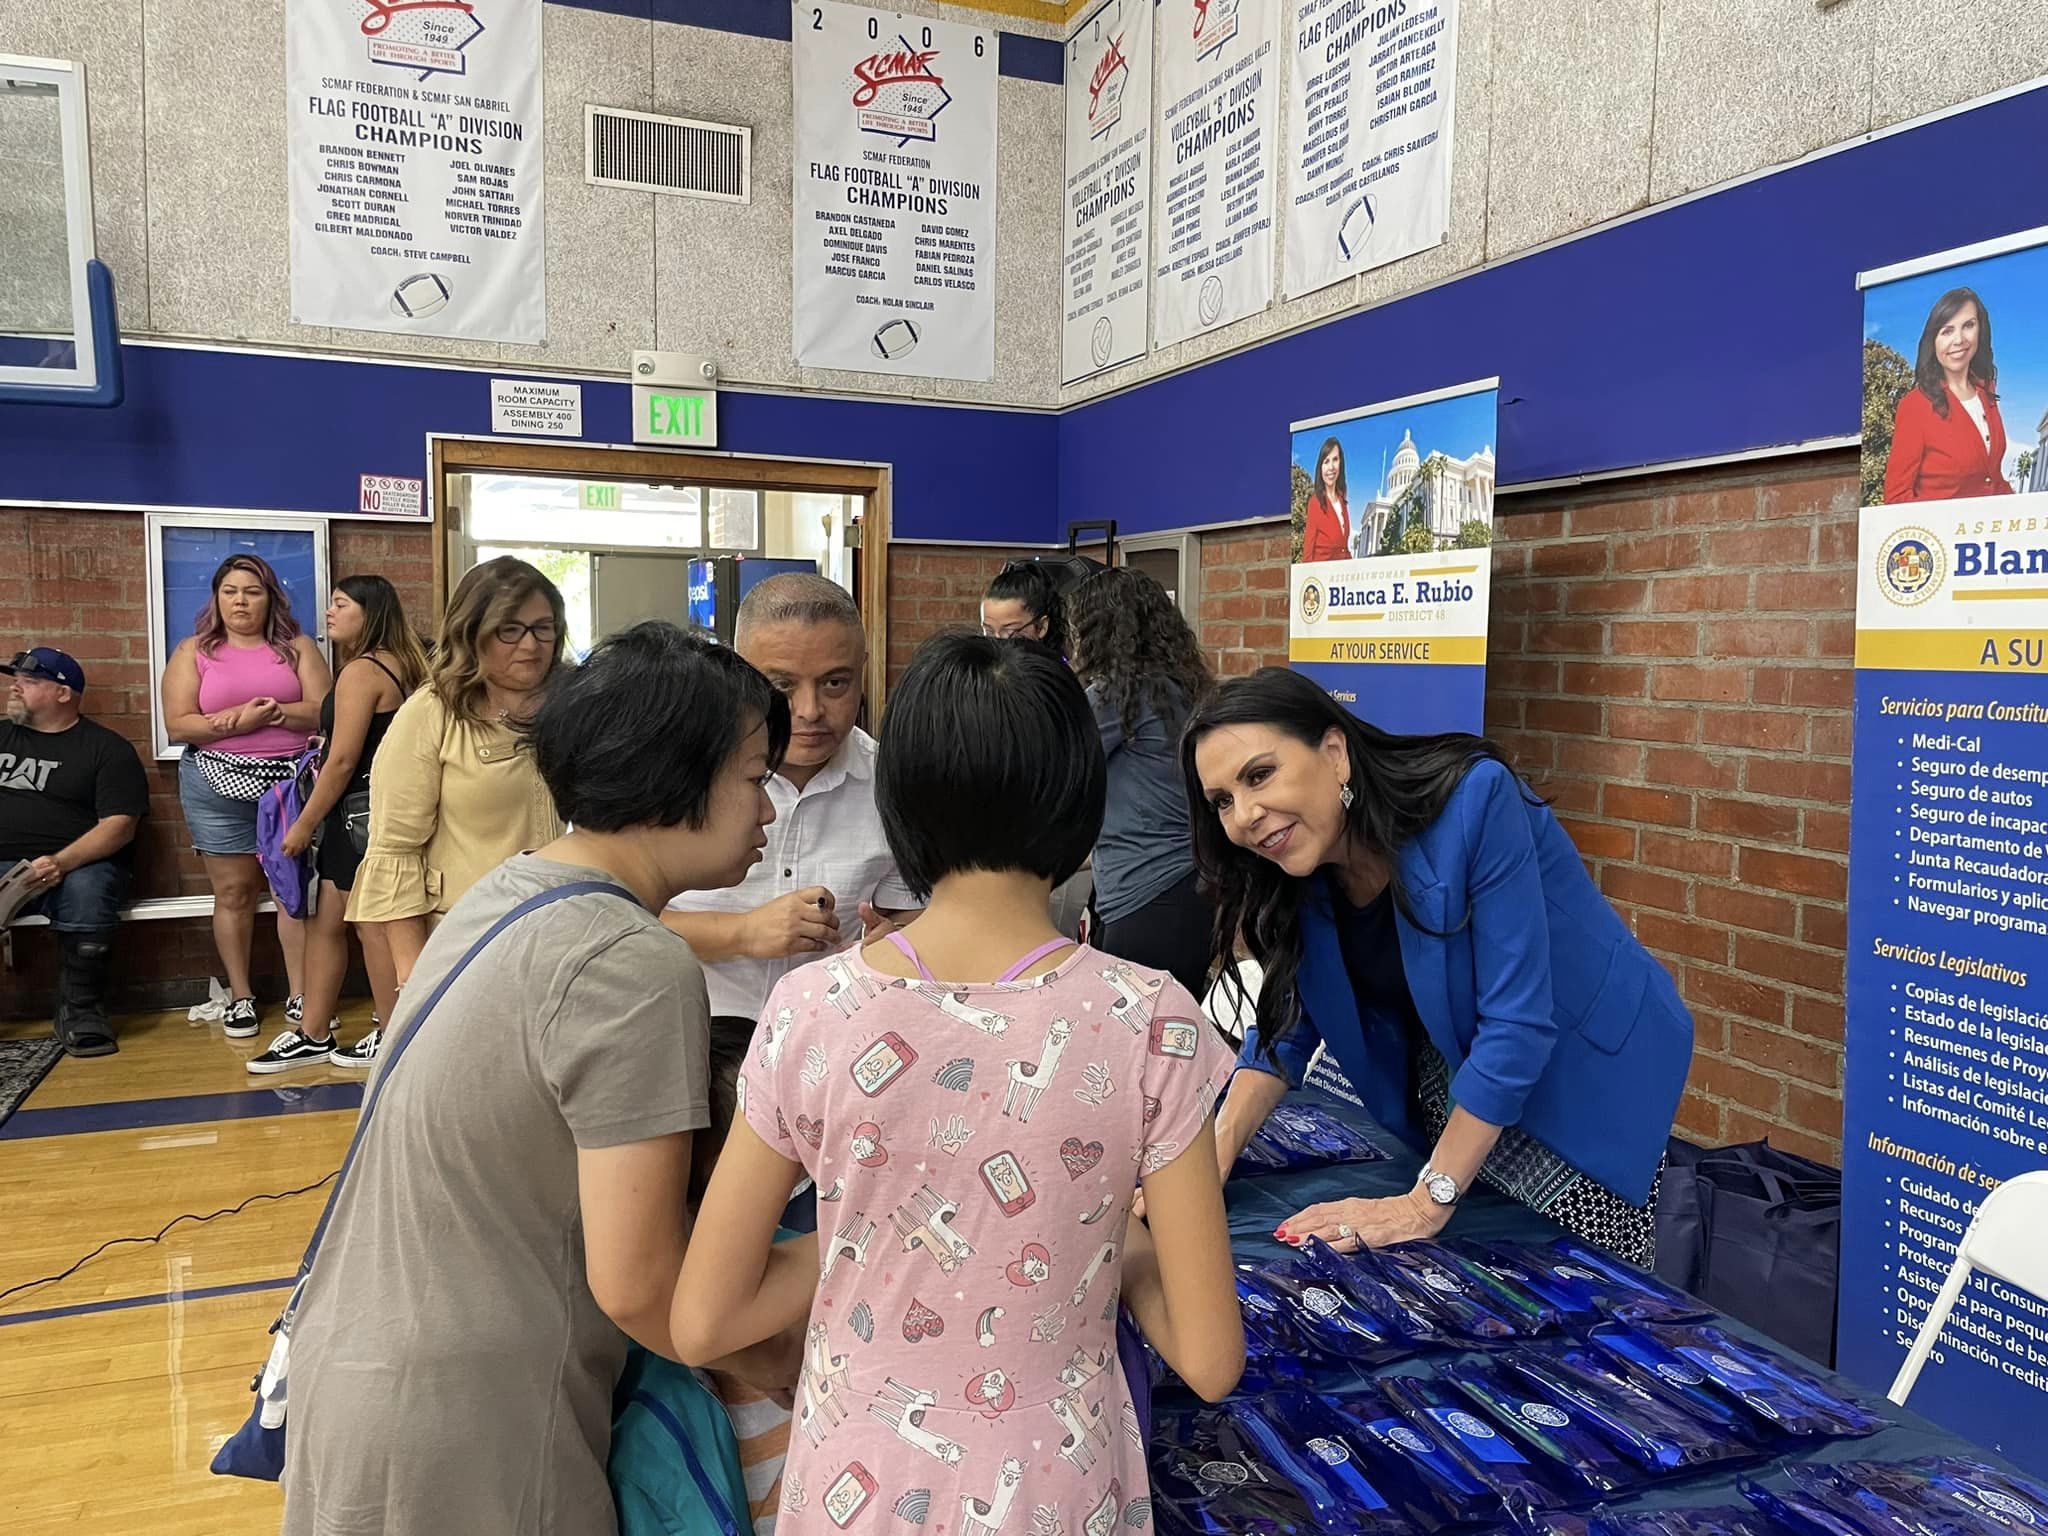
{"points": [[934, 590], [76, 580], [1671, 662]]}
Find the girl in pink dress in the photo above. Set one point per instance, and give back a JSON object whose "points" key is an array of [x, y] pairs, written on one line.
{"points": [[976, 1143]]}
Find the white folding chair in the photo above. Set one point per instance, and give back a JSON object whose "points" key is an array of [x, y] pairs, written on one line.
{"points": [[2007, 1240]]}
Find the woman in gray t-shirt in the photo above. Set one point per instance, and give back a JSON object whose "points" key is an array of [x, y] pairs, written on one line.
{"points": [[516, 1210]]}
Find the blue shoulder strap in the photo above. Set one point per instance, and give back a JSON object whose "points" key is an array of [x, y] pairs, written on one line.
{"points": [[390, 1064]]}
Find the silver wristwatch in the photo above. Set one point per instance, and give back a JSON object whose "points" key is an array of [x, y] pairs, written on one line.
{"points": [[1440, 1187]]}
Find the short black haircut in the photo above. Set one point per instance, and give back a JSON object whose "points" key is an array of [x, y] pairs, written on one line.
{"points": [[637, 735], [796, 597], [990, 759]]}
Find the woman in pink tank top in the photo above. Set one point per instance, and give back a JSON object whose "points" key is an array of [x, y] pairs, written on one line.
{"points": [[243, 694]]}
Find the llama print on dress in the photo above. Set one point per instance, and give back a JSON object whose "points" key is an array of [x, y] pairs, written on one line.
{"points": [[1087, 1426], [1103, 1520], [1027, 1081], [822, 1389], [954, 1005], [1135, 996], [773, 1035], [903, 1408], [925, 1221], [985, 1517], [881, 1063], [849, 988], [849, 1242], [1103, 1255]]}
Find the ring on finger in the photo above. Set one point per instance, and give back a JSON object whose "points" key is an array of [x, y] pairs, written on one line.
{"points": [[1344, 1230]]}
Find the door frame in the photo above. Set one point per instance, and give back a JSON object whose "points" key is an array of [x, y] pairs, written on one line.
{"points": [[1188, 545], [452, 455]]}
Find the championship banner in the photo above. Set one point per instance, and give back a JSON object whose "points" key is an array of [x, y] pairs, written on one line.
{"points": [[1108, 189], [1212, 241], [1368, 135], [1393, 528], [1946, 1047], [413, 136], [895, 193]]}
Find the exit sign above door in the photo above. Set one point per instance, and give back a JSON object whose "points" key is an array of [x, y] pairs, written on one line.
{"points": [[675, 418]]}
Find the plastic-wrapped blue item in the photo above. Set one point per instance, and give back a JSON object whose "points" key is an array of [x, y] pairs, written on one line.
{"points": [[1419, 1270], [1721, 1520], [1342, 1328], [1644, 1424], [1793, 1401], [1883, 1506], [1305, 1136], [1952, 1494], [1275, 1346], [1320, 1456], [1651, 1363], [1803, 1513], [2002, 1499], [1624, 1292], [1487, 1453], [1413, 1467], [1364, 1278], [1579, 1456], [1528, 1313], [1208, 1481], [1529, 1270]]}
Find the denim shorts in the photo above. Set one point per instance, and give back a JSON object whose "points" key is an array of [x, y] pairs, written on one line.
{"points": [[217, 824]]}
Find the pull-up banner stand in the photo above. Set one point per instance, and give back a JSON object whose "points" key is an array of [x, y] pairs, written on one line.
{"points": [[1947, 1034]]}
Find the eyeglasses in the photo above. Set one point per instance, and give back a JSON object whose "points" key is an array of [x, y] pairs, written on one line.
{"points": [[513, 632], [1009, 631], [28, 669]]}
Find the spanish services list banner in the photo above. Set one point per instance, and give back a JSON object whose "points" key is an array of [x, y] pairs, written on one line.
{"points": [[1947, 1035], [894, 197], [413, 140], [1368, 135], [1219, 113], [1108, 208], [1393, 528]]}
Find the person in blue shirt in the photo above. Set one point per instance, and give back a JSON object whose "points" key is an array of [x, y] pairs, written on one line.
{"points": [[1421, 915], [1143, 669]]}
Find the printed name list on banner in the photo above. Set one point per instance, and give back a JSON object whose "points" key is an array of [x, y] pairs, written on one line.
{"points": [[1393, 527], [1946, 1089], [1369, 135], [1213, 239], [414, 140], [1109, 189], [895, 193]]}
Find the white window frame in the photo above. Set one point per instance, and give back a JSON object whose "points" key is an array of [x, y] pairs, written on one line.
{"points": [[69, 79]]}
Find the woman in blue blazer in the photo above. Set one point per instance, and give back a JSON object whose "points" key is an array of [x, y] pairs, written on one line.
{"points": [[1419, 911]]}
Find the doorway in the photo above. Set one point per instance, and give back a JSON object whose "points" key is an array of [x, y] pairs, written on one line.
{"points": [[1174, 560]]}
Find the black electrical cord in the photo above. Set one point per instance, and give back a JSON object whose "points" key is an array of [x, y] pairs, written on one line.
{"points": [[234, 1210]]}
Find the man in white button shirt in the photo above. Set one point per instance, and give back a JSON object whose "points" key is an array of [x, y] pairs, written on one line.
{"points": [[827, 870]]}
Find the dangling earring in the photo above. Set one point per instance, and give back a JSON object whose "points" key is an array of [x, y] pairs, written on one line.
{"points": [[1345, 797]]}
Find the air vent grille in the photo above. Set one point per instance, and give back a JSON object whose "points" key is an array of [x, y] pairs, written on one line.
{"points": [[675, 155]]}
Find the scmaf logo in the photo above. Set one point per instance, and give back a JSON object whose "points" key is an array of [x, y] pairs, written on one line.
{"points": [[1910, 567], [1215, 23], [1106, 87], [1314, 600]]}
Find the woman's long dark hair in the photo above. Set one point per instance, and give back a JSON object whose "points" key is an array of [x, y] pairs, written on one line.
{"points": [[1399, 784], [1132, 645], [1031, 583], [1927, 370], [384, 629], [1330, 444]]}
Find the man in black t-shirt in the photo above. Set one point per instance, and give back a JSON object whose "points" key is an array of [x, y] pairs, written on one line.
{"points": [[71, 795]]}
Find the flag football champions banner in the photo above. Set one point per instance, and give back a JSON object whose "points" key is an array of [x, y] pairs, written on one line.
{"points": [[413, 135], [1369, 134], [1947, 1036], [1212, 229], [1108, 208], [895, 193], [1393, 527]]}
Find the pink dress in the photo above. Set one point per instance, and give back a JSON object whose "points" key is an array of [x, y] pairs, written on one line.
{"points": [[235, 674], [975, 1148]]}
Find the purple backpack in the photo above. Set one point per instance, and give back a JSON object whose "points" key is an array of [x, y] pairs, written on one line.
{"points": [[291, 879]]}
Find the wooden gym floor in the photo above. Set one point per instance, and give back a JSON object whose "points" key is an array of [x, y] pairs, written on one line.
{"points": [[117, 1385]]}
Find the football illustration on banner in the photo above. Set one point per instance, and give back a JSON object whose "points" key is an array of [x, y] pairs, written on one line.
{"points": [[896, 338], [1356, 228], [421, 295]]}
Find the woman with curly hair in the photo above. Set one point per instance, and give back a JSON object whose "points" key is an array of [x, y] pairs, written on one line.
{"points": [[1144, 673]]}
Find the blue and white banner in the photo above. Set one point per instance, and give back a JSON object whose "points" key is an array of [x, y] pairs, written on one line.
{"points": [[1393, 528], [1946, 1047], [1368, 135], [413, 142], [1108, 205], [894, 193]]}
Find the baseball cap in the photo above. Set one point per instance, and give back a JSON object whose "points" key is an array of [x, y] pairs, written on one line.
{"points": [[47, 665]]}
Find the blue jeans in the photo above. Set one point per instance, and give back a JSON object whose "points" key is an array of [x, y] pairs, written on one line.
{"points": [[87, 900]]}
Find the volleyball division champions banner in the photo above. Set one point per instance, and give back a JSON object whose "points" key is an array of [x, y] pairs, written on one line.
{"points": [[413, 138], [1393, 528], [1946, 1045], [1212, 230], [894, 193], [1108, 204], [1369, 134]]}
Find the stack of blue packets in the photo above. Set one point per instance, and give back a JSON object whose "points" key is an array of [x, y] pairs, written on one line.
{"points": [[1661, 1433], [1937, 1496], [1789, 1400], [1622, 1292], [1208, 1481], [1339, 1327], [1488, 1454], [1721, 1520], [1304, 1136], [1364, 1279], [1419, 1273], [1567, 1443]]}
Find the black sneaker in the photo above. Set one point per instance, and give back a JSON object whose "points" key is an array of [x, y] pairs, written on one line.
{"points": [[292, 1049], [295, 1011], [361, 1056], [240, 1020]]}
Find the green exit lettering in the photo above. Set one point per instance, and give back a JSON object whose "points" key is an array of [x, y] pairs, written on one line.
{"points": [[675, 415], [600, 498]]}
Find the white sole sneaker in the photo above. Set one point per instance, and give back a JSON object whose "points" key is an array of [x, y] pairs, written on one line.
{"points": [[243, 1028]]}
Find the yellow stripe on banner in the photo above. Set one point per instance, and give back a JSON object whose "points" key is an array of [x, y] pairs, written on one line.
{"points": [[1354, 618], [1952, 650], [1446, 570], [1999, 594], [1417, 650]]}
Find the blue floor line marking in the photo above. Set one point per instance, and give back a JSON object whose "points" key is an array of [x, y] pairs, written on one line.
{"points": [[123, 1303], [185, 1109]]}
